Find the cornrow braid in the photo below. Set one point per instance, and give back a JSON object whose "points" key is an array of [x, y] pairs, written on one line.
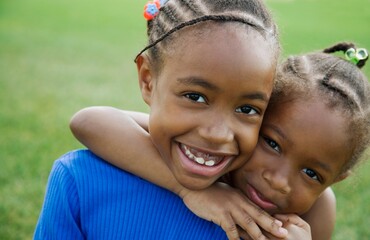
{"points": [[193, 7], [197, 20], [350, 97], [340, 83], [330, 71], [349, 88], [172, 16], [297, 66], [175, 15]]}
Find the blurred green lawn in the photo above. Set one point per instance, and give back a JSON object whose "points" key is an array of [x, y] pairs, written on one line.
{"points": [[59, 56]]}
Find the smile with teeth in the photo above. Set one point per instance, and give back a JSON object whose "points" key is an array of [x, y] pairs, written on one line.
{"points": [[201, 158]]}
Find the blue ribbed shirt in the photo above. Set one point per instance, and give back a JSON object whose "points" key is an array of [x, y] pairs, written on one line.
{"points": [[87, 198]]}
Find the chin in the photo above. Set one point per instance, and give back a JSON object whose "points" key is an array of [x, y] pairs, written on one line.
{"points": [[194, 184]]}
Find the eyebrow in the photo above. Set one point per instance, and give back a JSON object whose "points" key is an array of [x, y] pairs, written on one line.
{"points": [[322, 165], [257, 96], [278, 131], [197, 81]]}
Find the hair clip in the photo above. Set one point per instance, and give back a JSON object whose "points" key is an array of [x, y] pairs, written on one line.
{"points": [[356, 55], [151, 9]]}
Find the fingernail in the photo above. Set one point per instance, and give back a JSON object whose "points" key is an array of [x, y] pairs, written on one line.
{"points": [[283, 231], [279, 223]]}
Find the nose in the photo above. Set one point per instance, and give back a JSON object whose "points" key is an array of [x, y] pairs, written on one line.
{"points": [[278, 178], [217, 130]]}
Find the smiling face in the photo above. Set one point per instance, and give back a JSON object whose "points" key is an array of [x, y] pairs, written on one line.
{"points": [[300, 152], [208, 100]]}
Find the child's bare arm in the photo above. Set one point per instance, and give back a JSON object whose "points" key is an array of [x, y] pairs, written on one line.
{"points": [[120, 137]]}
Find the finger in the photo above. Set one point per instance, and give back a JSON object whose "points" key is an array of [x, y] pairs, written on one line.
{"points": [[287, 218], [292, 219], [247, 223], [264, 221], [243, 234], [229, 226]]}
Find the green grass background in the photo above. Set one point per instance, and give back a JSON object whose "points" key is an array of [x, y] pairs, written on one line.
{"points": [[59, 56]]}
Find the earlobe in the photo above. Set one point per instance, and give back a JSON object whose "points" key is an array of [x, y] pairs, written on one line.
{"points": [[145, 76]]}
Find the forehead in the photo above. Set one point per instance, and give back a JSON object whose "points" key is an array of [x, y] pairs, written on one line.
{"points": [[220, 32], [232, 51]]}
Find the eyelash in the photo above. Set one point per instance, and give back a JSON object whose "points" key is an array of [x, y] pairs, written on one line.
{"points": [[246, 109], [272, 144], [195, 97], [309, 172]]}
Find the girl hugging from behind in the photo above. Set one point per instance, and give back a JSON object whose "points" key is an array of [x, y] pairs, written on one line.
{"points": [[315, 130]]}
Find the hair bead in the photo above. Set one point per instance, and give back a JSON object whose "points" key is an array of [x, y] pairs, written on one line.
{"points": [[151, 9]]}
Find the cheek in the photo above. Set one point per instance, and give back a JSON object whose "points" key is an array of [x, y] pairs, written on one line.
{"points": [[240, 176], [238, 179], [303, 196], [301, 202], [251, 169], [248, 140], [258, 159], [166, 123]]}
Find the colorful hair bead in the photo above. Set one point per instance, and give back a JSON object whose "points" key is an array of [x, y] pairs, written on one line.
{"points": [[151, 9], [356, 55]]}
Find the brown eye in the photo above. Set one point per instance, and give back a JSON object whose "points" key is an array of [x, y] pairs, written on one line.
{"points": [[311, 173], [195, 97], [272, 144], [246, 110]]}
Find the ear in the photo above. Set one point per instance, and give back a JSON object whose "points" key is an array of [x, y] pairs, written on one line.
{"points": [[145, 75], [342, 176]]}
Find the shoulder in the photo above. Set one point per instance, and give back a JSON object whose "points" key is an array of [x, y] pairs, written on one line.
{"points": [[73, 158], [83, 161], [321, 217], [89, 171], [84, 165]]}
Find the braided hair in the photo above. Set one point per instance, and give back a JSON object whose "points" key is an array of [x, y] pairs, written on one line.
{"points": [[175, 15], [340, 83]]}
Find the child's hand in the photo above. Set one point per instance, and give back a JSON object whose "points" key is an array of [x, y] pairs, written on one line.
{"points": [[296, 226], [230, 209]]}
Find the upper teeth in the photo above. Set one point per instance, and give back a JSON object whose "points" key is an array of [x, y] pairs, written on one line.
{"points": [[199, 160]]}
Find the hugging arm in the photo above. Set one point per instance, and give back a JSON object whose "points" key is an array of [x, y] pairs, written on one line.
{"points": [[121, 138], [117, 137]]}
